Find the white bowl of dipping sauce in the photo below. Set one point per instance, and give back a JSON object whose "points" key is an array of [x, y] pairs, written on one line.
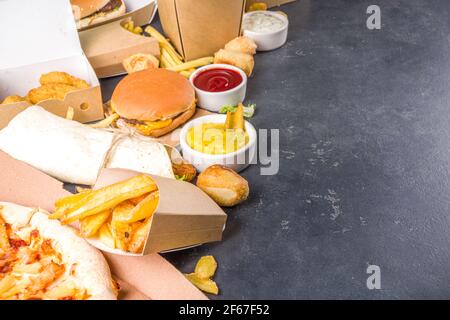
{"points": [[218, 85], [268, 29]]}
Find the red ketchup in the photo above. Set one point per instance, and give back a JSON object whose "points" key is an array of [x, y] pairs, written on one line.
{"points": [[217, 80]]}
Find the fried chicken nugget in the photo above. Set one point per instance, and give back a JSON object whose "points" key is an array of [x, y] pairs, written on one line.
{"points": [[13, 99], [49, 91], [140, 61], [63, 78]]}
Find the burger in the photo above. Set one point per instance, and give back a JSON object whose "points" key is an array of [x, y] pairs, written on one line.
{"points": [[89, 12], [153, 101]]}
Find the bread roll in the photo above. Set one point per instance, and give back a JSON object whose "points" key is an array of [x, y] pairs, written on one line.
{"points": [[223, 185]]}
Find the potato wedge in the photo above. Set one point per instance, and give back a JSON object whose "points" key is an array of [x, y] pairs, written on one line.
{"points": [[109, 197], [206, 285], [68, 203], [142, 210], [105, 236], [206, 267], [90, 225], [139, 236]]}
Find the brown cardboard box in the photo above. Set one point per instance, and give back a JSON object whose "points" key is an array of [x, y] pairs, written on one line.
{"points": [[108, 45], [51, 44], [270, 3], [143, 277], [141, 11], [199, 28]]}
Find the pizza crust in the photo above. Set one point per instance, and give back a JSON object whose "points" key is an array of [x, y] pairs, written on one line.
{"points": [[91, 270]]}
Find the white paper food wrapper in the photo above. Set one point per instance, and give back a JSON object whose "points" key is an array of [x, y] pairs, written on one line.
{"points": [[75, 153]]}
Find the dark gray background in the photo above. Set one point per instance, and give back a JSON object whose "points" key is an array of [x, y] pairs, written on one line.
{"points": [[365, 159]]}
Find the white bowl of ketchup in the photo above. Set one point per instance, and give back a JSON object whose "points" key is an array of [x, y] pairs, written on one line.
{"points": [[218, 85]]}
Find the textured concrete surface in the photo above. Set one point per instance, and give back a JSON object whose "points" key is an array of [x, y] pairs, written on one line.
{"points": [[365, 159]]}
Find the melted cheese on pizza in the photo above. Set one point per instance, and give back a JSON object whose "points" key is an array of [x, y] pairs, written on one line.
{"points": [[30, 267]]}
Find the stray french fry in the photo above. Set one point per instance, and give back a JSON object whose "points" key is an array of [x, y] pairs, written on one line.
{"points": [[206, 267], [206, 285], [165, 54], [70, 113], [171, 50], [192, 64], [137, 30], [90, 225], [106, 122], [109, 197]]}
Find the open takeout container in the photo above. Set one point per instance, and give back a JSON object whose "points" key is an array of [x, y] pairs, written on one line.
{"points": [[140, 11], [185, 215], [270, 3], [45, 40], [199, 28], [108, 44], [142, 277]]}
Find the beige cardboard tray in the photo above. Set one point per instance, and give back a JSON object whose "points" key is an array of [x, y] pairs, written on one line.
{"points": [[51, 44], [147, 277], [185, 215], [270, 3], [199, 28], [141, 11], [108, 45]]}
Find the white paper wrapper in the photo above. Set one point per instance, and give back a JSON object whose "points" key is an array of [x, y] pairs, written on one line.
{"points": [[75, 153]]}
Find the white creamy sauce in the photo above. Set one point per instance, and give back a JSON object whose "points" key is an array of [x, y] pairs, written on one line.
{"points": [[263, 22]]}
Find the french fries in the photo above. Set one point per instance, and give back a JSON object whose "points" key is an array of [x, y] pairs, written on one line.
{"points": [[109, 197], [90, 225], [118, 215]]}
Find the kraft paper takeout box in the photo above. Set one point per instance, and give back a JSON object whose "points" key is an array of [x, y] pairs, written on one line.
{"points": [[45, 40], [143, 277], [185, 215], [199, 28], [270, 3], [140, 11], [108, 45]]}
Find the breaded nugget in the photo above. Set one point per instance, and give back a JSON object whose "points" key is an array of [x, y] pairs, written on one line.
{"points": [[13, 99], [140, 61], [64, 78], [244, 61], [242, 44], [49, 91]]}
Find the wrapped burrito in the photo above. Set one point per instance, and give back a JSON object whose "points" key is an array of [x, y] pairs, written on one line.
{"points": [[75, 153]]}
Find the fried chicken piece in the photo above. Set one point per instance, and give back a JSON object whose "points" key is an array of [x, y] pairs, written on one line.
{"points": [[49, 91], [63, 78]]}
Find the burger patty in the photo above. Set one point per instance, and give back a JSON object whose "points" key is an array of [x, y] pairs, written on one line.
{"points": [[111, 5]]}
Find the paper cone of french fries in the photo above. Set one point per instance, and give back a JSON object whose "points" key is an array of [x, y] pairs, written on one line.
{"points": [[184, 215]]}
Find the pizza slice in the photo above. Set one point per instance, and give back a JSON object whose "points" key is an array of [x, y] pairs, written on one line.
{"points": [[41, 259]]}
